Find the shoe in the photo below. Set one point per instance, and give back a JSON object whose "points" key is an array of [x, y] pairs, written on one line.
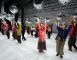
{"points": [[40, 51], [76, 48], [19, 42], [24, 38], [61, 56], [70, 49], [57, 54]]}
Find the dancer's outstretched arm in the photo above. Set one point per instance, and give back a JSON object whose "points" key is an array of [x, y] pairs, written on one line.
{"points": [[45, 24], [38, 24]]}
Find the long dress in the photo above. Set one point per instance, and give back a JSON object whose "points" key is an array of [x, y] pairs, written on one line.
{"points": [[42, 34]]}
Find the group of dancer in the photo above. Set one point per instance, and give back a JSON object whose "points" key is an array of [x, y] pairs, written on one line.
{"points": [[61, 37], [18, 30], [63, 32]]}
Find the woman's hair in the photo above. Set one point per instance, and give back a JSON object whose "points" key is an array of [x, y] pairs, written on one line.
{"points": [[64, 24], [18, 25]]}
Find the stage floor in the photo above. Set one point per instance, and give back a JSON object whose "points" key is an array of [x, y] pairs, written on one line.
{"points": [[27, 50]]}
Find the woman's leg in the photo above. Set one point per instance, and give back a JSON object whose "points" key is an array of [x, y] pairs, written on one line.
{"points": [[62, 47], [19, 39], [48, 35], [58, 47], [74, 43], [70, 43], [8, 34]]}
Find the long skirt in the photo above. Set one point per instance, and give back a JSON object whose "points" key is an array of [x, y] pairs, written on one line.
{"points": [[42, 45]]}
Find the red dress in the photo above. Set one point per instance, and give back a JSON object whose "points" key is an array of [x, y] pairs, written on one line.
{"points": [[42, 35]]}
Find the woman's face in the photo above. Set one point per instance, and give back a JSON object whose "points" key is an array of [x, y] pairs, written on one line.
{"points": [[41, 25], [63, 26]]}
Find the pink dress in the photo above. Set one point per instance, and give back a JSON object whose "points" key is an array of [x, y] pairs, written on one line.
{"points": [[42, 32]]}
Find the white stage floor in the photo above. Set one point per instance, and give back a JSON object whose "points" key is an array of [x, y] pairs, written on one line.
{"points": [[27, 50]]}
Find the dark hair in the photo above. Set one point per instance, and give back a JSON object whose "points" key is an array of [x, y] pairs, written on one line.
{"points": [[17, 24]]}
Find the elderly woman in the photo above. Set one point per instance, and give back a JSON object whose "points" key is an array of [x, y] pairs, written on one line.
{"points": [[61, 38], [42, 35], [72, 35], [18, 26]]}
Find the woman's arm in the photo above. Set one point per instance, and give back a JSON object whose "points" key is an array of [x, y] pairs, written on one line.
{"points": [[57, 24], [69, 28], [38, 24], [70, 25], [45, 24]]}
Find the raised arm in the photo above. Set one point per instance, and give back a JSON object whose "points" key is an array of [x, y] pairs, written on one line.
{"points": [[45, 24], [57, 24], [38, 24], [71, 21]]}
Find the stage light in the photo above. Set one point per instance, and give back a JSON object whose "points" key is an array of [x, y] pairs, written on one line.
{"points": [[58, 18], [13, 9], [64, 1], [38, 5]]}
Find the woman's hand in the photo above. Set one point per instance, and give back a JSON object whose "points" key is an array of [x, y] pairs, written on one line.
{"points": [[37, 19]]}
